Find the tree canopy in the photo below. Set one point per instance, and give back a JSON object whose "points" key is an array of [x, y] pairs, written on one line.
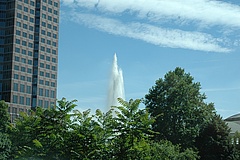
{"points": [[184, 118]]}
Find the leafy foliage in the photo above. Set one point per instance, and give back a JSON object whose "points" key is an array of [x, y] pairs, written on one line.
{"points": [[179, 106], [5, 143], [213, 141], [5, 146], [4, 117], [124, 132]]}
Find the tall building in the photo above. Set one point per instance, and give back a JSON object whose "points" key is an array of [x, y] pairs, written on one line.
{"points": [[28, 53]]}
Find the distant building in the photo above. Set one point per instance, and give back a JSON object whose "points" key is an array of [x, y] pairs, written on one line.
{"points": [[28, 53], [234, 123]]}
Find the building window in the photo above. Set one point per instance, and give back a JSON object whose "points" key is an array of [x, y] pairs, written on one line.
{"points": [[42, 56], [19, 7], [15, 99], [24, 51], [16, 76], [25, 9], [31, 20], [55, 28], [15, 87], [22, 88], [28, 101], [55, 4], [29, 70], [25, 18], [44, 24], [42, 48], [42, 65], [47, 75], [54, 68], [54, 44], [44, 8], [40, 103], [47, 83], [23, 60], [24, 43], [17, 41], [49, 34], [44, 16], [24, 34], [30, 36], [17, 58], [30, 45], [54, 35], [31, 28], [46, 104], [19, 24], [49, 18], [54, 60], [46, 93], [30, 53], [30, 62], [41, 81], [52, 94], [41, 73], [17, 49], [47, 58], [28, 89], [55, 12], [50, 2], [16, 67], [29, 79], [23, 69], [47, 66], [40, 92], [53, 76], [22, 78], [48, 50], [49, 42], [21, 100], [31, 3], [43, 32], [50, 10], [42, 40], [18, 32], [53, 84], [55, 20], [25, 26], [19, 15], [54, 51], [31, 11]]}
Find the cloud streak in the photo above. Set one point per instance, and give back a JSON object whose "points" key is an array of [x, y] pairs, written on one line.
{"points": [[206, 11], [173, 38], [160, 22]]}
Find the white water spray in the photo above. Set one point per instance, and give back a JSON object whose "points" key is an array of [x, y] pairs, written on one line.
{"points": [[116, 85]]}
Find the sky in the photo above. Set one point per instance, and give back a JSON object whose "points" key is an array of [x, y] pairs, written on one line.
{"points": [[150, 38]]}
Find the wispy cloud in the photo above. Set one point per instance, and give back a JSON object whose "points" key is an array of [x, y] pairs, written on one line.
{"points": [[162, 22], [221, 89]]}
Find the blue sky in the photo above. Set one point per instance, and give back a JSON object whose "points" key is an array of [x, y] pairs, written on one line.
{"points": [[150, 38]]}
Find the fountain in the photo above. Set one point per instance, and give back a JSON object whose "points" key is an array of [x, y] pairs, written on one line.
{"points": [[116, 85]]}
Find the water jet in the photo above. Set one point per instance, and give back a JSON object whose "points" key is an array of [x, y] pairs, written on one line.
{"points": [[116, 85]]}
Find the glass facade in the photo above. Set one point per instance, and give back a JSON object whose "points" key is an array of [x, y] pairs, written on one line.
{"points": [[28, 53]]}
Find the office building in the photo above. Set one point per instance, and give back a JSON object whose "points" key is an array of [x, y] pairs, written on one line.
{"points": [[28, 53]]}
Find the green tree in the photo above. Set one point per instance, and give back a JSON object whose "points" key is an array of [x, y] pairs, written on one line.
{"points": [[235, 140], [4, 117], [5, 143], [214, 141], [44, 133], [179, 108]]}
